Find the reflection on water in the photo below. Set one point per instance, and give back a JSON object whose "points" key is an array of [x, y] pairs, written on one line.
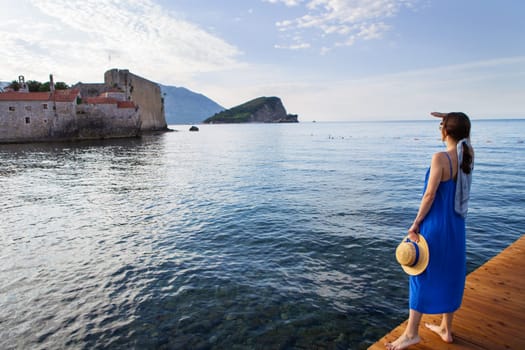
{"points": [[241, 236]]}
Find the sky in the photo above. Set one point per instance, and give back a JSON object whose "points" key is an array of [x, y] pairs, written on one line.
{"points": [[328, 60]]}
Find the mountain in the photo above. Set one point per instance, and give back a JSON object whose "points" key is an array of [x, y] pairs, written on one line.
{"points": [[3, 84], [183, 106], [259, 110]]}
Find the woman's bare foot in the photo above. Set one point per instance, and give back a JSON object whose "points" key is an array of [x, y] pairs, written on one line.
{"points": [[446, 336], [402, 342]]}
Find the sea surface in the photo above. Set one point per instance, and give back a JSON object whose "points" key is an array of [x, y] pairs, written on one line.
{"points": [[267, 236]]}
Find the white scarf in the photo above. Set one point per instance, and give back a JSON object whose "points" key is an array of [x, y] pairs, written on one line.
{"points": [[463, 182]]}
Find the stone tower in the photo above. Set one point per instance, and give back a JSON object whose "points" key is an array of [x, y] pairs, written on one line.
{"points": [[144, 93]]}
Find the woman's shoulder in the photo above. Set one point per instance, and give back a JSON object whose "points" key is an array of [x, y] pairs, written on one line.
{"points": [[440, 156], [440, 159]]}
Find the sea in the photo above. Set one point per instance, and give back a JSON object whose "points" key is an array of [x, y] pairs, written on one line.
{"points": [[252, 236]]}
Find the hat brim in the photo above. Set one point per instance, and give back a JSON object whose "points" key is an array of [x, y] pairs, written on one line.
{"points": [[424, 258]]}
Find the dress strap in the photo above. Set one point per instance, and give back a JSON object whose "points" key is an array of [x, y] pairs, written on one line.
{"points": [[450, 163]]}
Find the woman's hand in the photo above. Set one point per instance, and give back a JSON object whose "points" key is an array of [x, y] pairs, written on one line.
{"points": [[439, 114], [413, 232]]}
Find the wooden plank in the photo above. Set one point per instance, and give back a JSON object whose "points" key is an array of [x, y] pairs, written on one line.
{"points": [[492, 314]]}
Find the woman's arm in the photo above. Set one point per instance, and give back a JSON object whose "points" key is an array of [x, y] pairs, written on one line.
{"points": [[436, 174]]}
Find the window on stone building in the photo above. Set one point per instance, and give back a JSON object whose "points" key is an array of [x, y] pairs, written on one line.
{"points": [[28, 108], [11, 108], [44, 106], [28, 120]]}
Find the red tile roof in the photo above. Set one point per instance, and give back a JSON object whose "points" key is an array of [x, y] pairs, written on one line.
{"points": [[69, 95], [125, 104], [25, 96], [108, 100], [100, 100]]}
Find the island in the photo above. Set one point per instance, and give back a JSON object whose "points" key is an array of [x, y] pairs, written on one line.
{"points": [[259, 110]]}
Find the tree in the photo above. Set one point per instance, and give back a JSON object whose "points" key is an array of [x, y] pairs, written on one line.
{"points": [[33, 85], [15, 85], [44, 87], [60, 85]]}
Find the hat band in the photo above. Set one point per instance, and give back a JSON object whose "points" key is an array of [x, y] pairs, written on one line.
{"points": [[417, 252]]}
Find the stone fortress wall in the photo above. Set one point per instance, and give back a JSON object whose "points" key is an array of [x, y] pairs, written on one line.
{"points": [[50, 120], [86, 111], [26, 120], [144, 93]]}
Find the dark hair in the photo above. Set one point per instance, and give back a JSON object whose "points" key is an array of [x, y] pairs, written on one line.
{"points": [[457, 126]]}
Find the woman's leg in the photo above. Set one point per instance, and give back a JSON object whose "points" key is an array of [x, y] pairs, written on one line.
{"points": [[444, 330], [411, 334]]}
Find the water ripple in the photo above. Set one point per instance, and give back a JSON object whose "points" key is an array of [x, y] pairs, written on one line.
{"points": [[247, 237]]}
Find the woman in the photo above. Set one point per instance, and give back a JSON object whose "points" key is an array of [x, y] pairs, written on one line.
{"points": [[441, 220]]}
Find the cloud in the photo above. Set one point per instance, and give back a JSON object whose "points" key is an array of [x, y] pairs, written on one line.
{"points": [[345, 20], [482, 89], [297, 43], [299, 46], [79, 40], [286, 2]]}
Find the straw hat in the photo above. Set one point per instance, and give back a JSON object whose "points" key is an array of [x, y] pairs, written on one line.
{"points": [[413, 256]]}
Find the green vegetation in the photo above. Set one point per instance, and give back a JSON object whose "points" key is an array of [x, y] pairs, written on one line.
{"points": [[14, 85], [244, 112], [36, 86]]}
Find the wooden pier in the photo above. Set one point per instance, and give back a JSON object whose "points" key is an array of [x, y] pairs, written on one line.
{"points": [[492, 315]]}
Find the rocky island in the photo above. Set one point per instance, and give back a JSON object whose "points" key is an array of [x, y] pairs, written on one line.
{"points": [[259, 110]]}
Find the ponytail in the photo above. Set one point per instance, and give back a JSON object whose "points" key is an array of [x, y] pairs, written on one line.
{"points": [[466, 163], [457, 126]]}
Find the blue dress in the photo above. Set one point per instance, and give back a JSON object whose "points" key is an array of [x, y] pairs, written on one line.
{"points": [[440, 288]]}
